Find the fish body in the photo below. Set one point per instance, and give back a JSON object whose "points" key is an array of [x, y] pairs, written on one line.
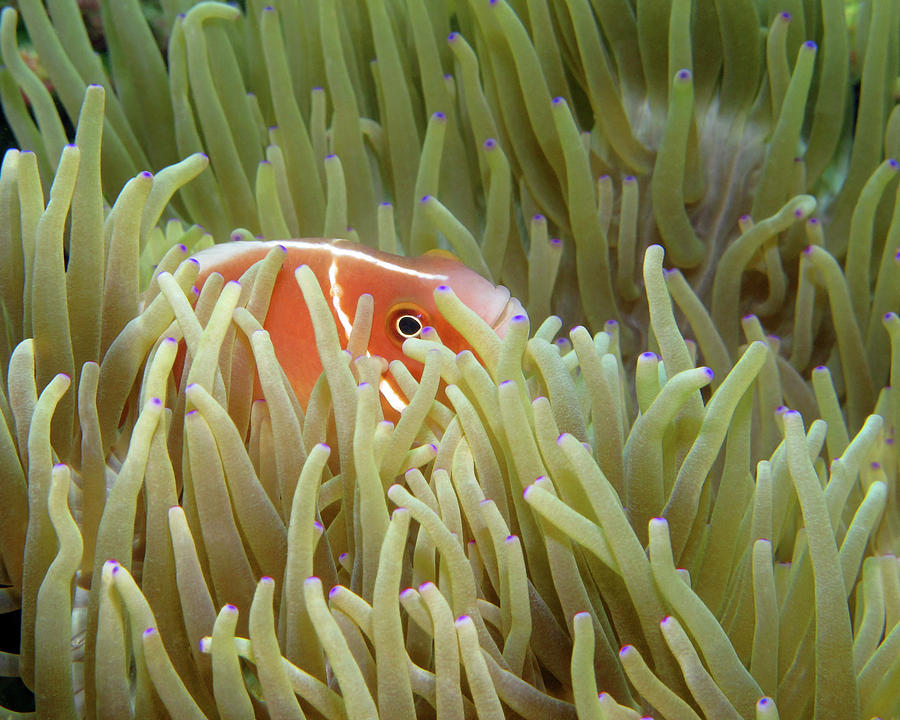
{"points": [[402, 289]]}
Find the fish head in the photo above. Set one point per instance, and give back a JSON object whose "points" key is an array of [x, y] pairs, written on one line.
{"points": [[406, 305]]}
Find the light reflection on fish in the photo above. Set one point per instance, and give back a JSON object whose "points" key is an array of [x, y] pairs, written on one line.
{"points": [[402, 289]]}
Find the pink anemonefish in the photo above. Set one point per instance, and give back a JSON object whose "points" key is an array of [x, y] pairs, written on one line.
{"points": [[402, 289]]}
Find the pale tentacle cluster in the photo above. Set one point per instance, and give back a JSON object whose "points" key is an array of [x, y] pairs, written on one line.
{"points": [[567, 528]]}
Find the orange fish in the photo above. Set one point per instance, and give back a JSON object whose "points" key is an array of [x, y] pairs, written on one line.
{"points": [[402, 289]]}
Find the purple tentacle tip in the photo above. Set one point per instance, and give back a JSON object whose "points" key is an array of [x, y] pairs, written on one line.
{"points": [[182, 247], [798, 213], [443, 288], [453, 37], [709, 372], [439, 116], [519, 318], [490, 144], [145, 174], [629, 179], [810, 45], [684, 75], [558, 100], [231, 608], [538, 218], [813, 221], [893, 164], [149, 631], [786, 16], [156, 401]]}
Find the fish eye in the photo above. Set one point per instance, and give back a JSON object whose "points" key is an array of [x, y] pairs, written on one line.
{"points": [[409, 326], [406, 321]]}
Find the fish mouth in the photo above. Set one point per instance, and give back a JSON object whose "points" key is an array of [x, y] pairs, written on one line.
{"points": [[511, 308]]}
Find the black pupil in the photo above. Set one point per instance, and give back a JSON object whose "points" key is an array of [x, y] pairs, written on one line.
{"points": [[408, 325]]}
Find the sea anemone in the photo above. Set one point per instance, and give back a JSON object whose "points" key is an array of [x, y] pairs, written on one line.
{"points": [[564, 526]]}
